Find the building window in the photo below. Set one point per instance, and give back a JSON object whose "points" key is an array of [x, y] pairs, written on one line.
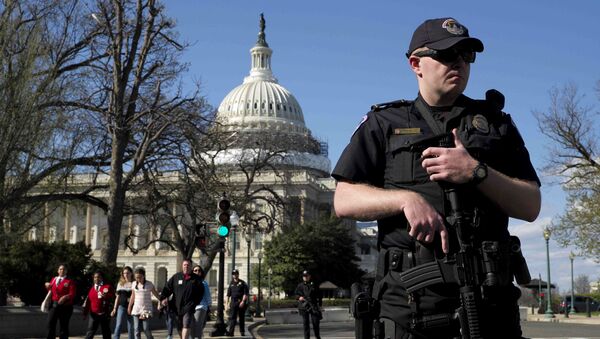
{"points": [[258, 241], [212, 277]]}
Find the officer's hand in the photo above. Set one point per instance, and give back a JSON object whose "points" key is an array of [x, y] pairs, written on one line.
{"points": [[424, 221], [454, 165]]}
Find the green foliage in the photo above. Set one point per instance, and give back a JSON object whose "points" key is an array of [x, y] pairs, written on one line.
{"points": [[26, 266], [326, 248]]}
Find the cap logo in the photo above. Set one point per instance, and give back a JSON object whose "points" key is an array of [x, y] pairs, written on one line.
{"points": [[453, 27]]}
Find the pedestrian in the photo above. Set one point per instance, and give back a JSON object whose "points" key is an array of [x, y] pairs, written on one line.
{"points": [[237, 302], [140, 304], [310, 304], [384, 174], [63, 293], [187, 290], [203, 307], [170, 313], [119, 311], [97, 307]]}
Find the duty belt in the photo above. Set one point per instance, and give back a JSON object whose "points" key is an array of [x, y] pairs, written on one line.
{"points": [[394, 259]]}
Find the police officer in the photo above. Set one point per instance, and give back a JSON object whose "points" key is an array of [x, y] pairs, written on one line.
{"points": [[310, 302], [237, 302], [380, 175]]}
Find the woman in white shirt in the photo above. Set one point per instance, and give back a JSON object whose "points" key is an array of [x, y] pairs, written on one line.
{"points": [[140, 303]]}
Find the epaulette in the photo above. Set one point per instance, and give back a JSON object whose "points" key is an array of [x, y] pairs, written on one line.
{"points": [[397, 103]]}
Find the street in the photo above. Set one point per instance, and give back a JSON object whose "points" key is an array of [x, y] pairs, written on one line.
{"points": [[345, 330]]}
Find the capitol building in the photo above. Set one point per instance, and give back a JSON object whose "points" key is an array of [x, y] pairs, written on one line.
{"points": [[259, 106]]}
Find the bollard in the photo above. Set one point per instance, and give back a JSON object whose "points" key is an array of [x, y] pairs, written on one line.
{"points": [[588, 312]]}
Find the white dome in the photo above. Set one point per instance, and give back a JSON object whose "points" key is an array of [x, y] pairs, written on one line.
{"points": [[261, 105]]}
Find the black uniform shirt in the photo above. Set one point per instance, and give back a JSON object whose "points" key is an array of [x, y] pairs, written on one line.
{"points": [[380, 154], [310, 291], [237, 290]]}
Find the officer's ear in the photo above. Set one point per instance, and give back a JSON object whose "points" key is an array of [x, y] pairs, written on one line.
{"points": [[415, 64]]}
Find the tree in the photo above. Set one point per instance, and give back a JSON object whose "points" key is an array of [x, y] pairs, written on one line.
{"points": [[135, 94], [326, 248], [44, 54], [182, 203], [26, 266], [581, 284], [573, 158]]}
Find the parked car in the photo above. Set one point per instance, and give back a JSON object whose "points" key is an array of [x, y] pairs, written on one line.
{"points": [[579, 304]]}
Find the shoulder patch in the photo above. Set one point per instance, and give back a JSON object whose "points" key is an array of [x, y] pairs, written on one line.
{"points": [[385, 105], [362, 121]]}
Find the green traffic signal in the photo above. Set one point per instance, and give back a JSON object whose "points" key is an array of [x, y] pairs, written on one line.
{"points": [[223, 217], [223, 231]]}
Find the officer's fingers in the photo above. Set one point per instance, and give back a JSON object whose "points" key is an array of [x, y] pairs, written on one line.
{"points": [[457, 141], [445, 240], [430, 152]]}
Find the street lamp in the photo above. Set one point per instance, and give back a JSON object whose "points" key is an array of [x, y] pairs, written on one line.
{"points": [[235, 221], [248, 237], [220, 328], [258, 311], [572, 309], [269, 271], [549, 313]]}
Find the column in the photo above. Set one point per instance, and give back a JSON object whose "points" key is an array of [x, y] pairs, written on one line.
{"points": [[46, 235], [88, 224], [67, 222]]}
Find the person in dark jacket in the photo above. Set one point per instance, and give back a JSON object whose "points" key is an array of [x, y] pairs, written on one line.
{"points": [[310, 303], [187, 289]]}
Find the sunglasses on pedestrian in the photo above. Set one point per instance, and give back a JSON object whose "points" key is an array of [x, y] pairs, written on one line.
{"points": [[448, 55]]}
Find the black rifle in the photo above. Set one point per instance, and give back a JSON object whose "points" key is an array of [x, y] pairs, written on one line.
{"points": [[472, 267], [311, 307]]}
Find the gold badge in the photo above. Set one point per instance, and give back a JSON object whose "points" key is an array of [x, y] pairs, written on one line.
{"points": [[407, 131], [481, 123]]}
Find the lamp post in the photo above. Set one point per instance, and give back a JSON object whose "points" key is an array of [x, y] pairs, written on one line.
{"points": [[220, 328], [572, 309], [269, 271], [258, 310], [549, 313], [234, 220], [248, 237], [539, 293]]}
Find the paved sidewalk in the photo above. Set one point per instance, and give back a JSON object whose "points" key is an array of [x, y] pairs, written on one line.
{"points": [[579, 318], [162, 333]]}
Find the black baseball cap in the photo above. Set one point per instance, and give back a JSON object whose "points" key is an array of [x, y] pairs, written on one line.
{"points": [[235, 271], [305, 272], [440, 34]]}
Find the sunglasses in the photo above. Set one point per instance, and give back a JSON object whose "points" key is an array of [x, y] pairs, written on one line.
{"points": [[448, 55]]}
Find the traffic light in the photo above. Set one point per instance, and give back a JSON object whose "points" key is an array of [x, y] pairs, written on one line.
{"points": [[223, 216], [200, 236]]}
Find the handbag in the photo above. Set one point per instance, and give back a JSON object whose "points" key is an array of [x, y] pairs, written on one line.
{"points": [[47, 302]]}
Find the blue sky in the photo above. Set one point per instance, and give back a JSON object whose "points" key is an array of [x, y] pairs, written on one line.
{"points": [[340, 57]]}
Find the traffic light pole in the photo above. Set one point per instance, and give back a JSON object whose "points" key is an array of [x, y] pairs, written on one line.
{"points": [[220, 327]]}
